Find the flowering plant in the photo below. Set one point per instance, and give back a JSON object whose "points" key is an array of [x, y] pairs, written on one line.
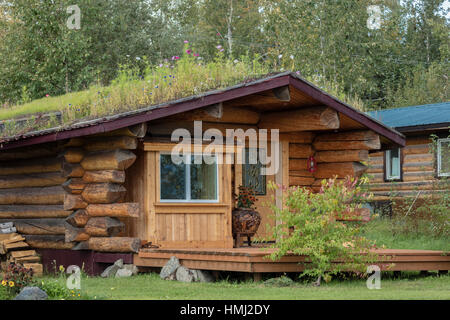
{"points": [[246, 198], [17, 277], [307, 225]]}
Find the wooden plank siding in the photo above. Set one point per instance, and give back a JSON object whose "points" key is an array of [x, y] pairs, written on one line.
{"points": [[255, 259], [418, 165]]}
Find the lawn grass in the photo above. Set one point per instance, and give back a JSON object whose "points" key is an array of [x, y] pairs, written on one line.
{"points": [[381, 231], [151, 287]]}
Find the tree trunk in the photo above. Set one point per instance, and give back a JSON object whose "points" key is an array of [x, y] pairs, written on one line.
{"points": [[31, 180], [74, 185], [74, 201], [342, 156], [115, 244], [300, 151], [113, 176], [305, 119], [31, 166], [38, 226], [79, 218], [32, 211], [104, 227], [73, 155], [75, 234], [72, 170], [48, 242], [103, 193], [130, 209], [45, 195], [110, 143], [109, 160], [341, 169]]}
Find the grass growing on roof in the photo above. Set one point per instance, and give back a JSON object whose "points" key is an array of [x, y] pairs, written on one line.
{"points": [[141, 86]]}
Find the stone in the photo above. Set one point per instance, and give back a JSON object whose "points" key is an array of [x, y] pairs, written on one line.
{"points": [[202, 276], [124, 273], [134, 269], [31, 293], [185, 275], [169, 269], [112, 270]]}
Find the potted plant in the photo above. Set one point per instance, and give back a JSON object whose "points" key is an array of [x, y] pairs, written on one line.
{"points": [[246, 219]]}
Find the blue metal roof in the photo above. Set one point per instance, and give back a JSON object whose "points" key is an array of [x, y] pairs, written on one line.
{"points": [[427, 114]]}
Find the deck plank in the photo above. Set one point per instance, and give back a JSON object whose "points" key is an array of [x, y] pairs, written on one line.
{"points": [[255, 259]]}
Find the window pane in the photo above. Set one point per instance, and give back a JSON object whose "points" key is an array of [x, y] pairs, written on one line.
{"points": [[445, 156], [173, 179], [204, 179], [252, 177], [395, 163]]}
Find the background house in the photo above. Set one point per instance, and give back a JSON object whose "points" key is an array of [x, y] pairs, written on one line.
{"points": [[419, 168]]}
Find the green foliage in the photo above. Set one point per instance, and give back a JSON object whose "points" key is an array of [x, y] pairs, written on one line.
{"points": [[394, 233], [58, 291], [327, 42], [16, 277], [282, 281], [141, 84], [246, 198], [423, 86], [307, 226]]}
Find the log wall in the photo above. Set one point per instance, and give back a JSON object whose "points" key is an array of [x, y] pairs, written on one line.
{"points": [[338, 154], [32, 196], [418, 172], [71, 195]]}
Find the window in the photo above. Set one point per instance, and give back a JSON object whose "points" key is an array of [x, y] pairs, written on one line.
{"points": [[251, 173], [188, 181], [392, 162], [443, 157]]}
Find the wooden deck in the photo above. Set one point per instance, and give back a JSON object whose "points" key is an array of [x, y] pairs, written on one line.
{"points": [[255, 260]]}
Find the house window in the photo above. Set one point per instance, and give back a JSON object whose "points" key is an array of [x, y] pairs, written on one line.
{"points": [[393, 167], [443, 157], [189, 181], [251, 172]]}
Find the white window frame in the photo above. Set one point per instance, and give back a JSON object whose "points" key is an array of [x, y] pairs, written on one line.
{"points": [[387, 158], [439, 158], [188, 183]]}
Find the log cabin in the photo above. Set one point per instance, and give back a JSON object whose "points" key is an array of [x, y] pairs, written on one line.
{"points": [[106, 188], [421, 168]]}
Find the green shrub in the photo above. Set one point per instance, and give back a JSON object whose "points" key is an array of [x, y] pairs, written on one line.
{"points": [[307, 226], [282, 281]]}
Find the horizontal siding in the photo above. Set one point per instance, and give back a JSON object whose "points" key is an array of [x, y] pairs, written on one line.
{"points": [[418, 168]]}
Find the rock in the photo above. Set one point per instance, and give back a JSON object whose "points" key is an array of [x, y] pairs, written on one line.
{"points": [[112, 270], [124, 273], [202, 276], [31, 293], [134, 269], [170, 268], [185, 275]]}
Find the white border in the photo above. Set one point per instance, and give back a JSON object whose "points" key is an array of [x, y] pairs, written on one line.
{"points": [[439, 158], [188, 183]]}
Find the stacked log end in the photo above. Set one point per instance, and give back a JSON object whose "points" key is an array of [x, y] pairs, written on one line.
{"points": [[343, 154], [95, 170], [338, 154], [32, 193], [61, 195]]}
